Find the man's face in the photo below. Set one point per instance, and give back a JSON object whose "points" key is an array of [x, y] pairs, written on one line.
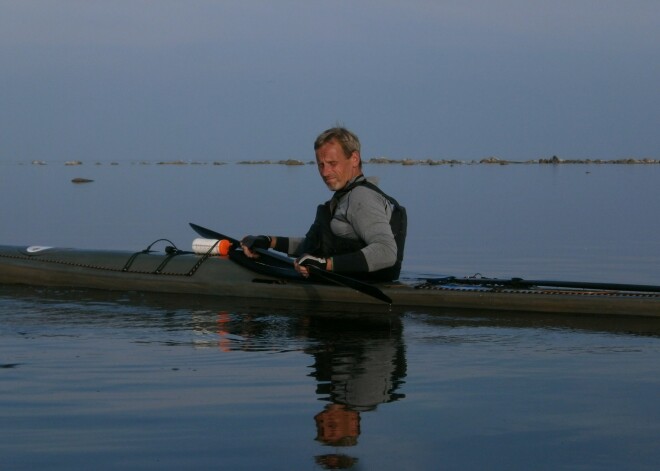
{"points": [[335, 167]]}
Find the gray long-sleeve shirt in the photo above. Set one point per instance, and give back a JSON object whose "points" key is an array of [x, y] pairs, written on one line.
{"points": [[363, 214]]}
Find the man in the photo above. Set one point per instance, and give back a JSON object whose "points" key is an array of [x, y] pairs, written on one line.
{"points": [[360, 232]]}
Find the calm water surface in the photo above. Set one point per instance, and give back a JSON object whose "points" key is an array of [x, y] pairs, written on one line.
{"points": [[134, 381]]}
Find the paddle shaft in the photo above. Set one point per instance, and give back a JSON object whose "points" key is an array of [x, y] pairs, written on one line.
{"points": [[336, 278], [519, 282]]}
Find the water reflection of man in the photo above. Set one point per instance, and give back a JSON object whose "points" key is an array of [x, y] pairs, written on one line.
{"points": [[358, 365]]}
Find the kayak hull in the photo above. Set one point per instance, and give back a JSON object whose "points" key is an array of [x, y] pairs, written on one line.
{"points": [[192, 274]]}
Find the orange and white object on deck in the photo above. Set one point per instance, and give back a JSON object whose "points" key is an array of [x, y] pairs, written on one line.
{"points": [[216, 247]]}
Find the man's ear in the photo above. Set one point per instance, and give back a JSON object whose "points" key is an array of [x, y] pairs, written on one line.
{"points": [[355, 158]]}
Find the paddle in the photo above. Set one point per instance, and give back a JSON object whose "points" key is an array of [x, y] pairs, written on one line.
{"points": [[336, 278], [521, 283]]}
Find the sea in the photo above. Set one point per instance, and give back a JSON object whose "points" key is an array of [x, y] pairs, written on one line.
{"points": [[127, 380]]}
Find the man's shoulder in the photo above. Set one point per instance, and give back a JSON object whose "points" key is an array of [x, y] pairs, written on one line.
{"points": [[367, 190]]}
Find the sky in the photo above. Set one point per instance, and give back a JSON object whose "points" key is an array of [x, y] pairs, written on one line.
{"points": [[230, 80]]}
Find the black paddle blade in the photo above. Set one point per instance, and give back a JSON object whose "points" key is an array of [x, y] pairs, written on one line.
{"points": [[211, 234]]}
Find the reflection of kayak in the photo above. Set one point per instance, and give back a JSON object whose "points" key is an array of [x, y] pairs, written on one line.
{"points": [[236, 276]]}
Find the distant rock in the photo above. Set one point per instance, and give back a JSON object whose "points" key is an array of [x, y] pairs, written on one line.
{"points": [[553, 160], [493, 160], [450, 162], [383, 160], [291, 162], [173, 162]]}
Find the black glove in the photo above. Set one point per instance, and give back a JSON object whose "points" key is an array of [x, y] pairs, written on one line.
{"points": [[256, 242], [312, 261]]}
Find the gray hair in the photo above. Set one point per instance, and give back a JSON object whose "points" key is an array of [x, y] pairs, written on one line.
{"points": [[349, 142]]}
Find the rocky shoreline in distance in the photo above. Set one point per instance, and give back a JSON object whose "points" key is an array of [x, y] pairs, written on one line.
{"points": [[554, 160], [497, 161]]}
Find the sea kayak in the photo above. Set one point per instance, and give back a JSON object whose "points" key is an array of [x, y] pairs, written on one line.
{"points": [[234, 275]]}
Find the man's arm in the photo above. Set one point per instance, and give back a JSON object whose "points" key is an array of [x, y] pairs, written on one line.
{"points": [[369, 215]]}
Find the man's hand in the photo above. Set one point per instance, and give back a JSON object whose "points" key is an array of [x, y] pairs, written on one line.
{"points": [[251, 242], [306, 261]]}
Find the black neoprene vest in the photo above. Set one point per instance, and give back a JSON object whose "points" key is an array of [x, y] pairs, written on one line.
{"points": [[321, 242]]}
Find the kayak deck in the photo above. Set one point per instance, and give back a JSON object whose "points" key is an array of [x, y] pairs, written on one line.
{"points": [[237, 276]]}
